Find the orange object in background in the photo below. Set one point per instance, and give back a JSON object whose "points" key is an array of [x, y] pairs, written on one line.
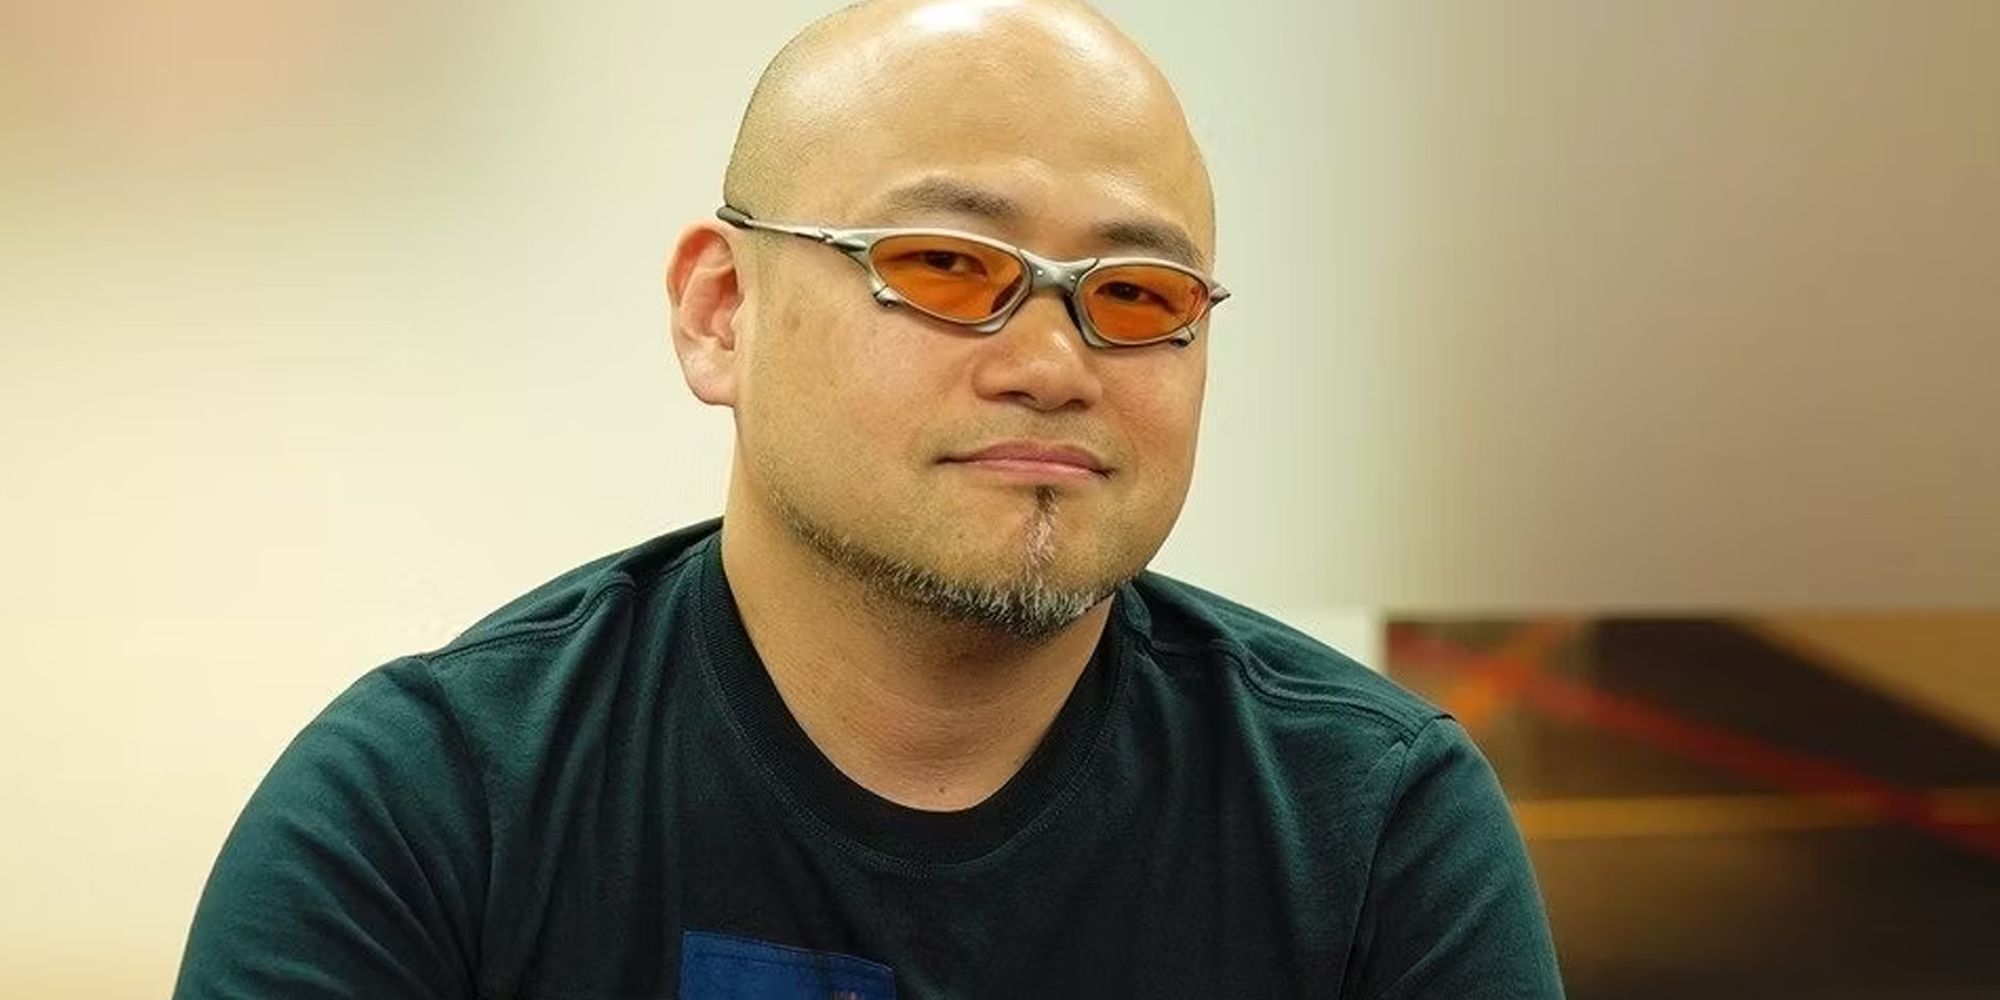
{"points": [[1715, 811]]}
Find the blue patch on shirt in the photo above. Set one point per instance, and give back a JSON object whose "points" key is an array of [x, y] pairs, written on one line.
{"points": [[720, 967]]}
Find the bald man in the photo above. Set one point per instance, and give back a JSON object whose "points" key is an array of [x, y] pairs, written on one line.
{"points": [[910, 719]]}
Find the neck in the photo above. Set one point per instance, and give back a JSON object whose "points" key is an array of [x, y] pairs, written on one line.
{"points": [[926, 713]]}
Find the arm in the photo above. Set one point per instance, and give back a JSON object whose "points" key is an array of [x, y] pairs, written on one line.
{"points": [[358, 868], [1453, 912]]}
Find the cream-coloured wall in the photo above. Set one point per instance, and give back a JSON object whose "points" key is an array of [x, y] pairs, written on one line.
{"points": [[326, 326]]}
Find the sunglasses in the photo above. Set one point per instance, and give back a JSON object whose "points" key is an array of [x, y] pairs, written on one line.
{"points": [[980, 283]]}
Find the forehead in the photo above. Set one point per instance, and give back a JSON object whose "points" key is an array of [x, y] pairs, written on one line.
{"points": [[1054, 126]]}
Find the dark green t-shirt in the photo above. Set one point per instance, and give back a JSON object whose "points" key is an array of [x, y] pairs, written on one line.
{"points": [[597, 793]]}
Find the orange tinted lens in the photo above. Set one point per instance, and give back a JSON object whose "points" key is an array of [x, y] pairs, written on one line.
{"points": [[948, 277], [1138, 302]]}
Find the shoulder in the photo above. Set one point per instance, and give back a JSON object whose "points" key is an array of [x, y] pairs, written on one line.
{"points": [[545, 675], [1194, 633], [583, 617], [571, 599]]}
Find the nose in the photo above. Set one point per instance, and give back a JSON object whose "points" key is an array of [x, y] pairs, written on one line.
{"points": [[1039, 359]]}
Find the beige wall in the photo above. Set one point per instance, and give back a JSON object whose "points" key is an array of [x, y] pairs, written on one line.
{"points": [[326, 326]]}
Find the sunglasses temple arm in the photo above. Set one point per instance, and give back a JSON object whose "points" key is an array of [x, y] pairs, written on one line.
{"points": [[742, 220]]}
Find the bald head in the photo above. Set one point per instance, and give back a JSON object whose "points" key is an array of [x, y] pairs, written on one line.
{"points": [[910, 86]]}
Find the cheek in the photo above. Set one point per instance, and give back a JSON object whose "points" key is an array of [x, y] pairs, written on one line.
{"points": [[878, 388], [778, 397], [1189, 406], [1162, 415], [842, 381]]}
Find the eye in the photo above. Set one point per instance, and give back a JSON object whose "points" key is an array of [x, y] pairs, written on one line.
{"points": [[952, 262], [1133, 294]]}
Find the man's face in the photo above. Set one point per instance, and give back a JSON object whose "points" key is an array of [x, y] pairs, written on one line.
{"points": [[861, 424]]}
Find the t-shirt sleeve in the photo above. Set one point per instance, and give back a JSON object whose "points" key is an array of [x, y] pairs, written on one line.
{"points": [[1453, 912], [358, 867]]}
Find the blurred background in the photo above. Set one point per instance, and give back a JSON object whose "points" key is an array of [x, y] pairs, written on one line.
{"points": [[1621, 375]]}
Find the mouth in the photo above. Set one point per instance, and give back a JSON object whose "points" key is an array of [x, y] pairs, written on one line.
{"points": [[1040, 460]]}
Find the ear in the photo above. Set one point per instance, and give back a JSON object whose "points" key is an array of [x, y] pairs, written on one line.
{"points": [[705, 293]]}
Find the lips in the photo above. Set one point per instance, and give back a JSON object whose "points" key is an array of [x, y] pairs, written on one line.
{"points": [[1032, 453]]}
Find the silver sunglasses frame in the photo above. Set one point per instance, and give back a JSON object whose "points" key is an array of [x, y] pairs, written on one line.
{"points": [[1042, 273]]}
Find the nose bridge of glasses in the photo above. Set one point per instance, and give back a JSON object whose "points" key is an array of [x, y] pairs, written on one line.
{"points": [[1063, 274]]}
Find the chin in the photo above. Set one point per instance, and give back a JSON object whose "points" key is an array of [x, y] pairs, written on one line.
{"points": [[1039, 558]]}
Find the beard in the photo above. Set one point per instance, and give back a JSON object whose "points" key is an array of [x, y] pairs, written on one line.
{"points": [[1025, 601]]}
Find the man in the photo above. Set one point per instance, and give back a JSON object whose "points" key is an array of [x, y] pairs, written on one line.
{"points": [[910, 721]]}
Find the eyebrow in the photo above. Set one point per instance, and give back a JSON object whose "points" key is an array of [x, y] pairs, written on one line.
{"points": [[942, 194], [1161, 238]]}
